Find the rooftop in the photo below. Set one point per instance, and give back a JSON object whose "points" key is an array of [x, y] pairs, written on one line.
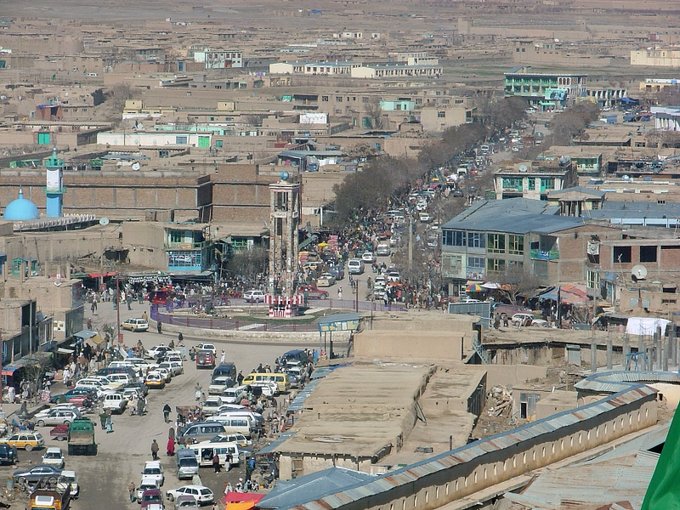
{"points": [[513, 215]]}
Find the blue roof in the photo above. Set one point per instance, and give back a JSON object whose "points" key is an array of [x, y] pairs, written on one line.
{"points": [[21, 209], [513, 215], [311, 487]]}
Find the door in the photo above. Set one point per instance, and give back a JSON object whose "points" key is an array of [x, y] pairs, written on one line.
{"points": [[203, 142], [574, 354], [43, 138]]}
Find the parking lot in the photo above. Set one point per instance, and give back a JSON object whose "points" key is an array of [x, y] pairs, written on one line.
{"points": [[104, 478]]}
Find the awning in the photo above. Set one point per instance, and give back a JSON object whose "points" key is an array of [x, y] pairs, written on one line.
{"points": [[471, 286], [86, 334], [567, 293], [9, 370], [96, 339], [62, 350]]}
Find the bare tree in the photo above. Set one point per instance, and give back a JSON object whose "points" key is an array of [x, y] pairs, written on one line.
{"points": [[374, 113], [517, 285]]}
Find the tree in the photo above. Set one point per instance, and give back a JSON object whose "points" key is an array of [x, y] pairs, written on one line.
{"points": [[248, 264], [517, 283], [374, 113], [572, 121]]}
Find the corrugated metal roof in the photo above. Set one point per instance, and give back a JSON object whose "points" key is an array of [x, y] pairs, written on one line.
{"points": [[611, 382], [603, 482], [515, 215]]}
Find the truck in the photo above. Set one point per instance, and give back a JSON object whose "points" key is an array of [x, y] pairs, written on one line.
{"points": [[81, 437], [50, 499]]}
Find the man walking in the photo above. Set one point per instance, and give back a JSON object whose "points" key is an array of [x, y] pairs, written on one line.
{"points": [[216, 462], [154, 450], [166, 412]]}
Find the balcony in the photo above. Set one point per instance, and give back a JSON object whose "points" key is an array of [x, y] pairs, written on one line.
{"points": [[537, 254]]}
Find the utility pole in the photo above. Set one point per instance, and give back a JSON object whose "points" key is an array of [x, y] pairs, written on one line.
{"points": [[356, 295], [410, 243], [119, 336]]}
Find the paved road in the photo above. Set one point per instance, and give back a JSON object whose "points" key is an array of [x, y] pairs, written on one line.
{"points": [[104, 478]]}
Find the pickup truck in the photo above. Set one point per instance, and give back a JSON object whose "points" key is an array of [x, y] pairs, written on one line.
{"points": [[81, 438], [48, 499]]}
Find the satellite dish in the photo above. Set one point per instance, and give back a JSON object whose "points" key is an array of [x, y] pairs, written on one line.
{"points": [[136, 166], [639, 272], [104, 221], [523, 168]]}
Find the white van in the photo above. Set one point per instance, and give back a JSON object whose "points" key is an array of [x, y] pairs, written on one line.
{"points": [[235, 424], [355, 266], [197, 432], [383, 250], [187, 464], [206, 450], [233, 395]]}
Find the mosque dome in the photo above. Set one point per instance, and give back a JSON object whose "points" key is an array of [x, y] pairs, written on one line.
{"points": [[21, 209]]}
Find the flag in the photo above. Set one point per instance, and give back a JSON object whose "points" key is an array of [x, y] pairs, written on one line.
{"points": [[663, 492]]}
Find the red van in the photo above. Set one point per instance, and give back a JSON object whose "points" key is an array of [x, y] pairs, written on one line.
{"points": [[205, 359]]}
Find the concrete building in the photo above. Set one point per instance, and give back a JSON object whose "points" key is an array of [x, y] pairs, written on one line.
{"points": [[586, 160], [219, 59], [547, 90], [437, 119], [534, 179], [175, 248], [505, 241], [396, 70], [656, 57], [666, 118]]}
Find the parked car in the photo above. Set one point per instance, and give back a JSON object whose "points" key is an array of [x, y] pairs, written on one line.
{"points": [[24, 440], [156, 351], [355, 266], [155, 380], [54, 457], [55, 416], [81, 397], [325, 280], [337, 271], [313, 292], [69, 477], [147, 483], [33, 474], [254, 296], [153, 469], [522, 319], [151, 497], [135, 325], [201, 493]]}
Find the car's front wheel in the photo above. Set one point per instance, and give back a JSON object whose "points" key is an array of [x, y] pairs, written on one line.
{"points": [[171, 497], [29, 447]]}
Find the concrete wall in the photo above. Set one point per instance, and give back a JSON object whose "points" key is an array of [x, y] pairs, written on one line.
{"points": [[398, 344], [511, 375], [146, 243]]}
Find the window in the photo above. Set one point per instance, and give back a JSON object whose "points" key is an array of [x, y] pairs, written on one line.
{"points": [[496, 265], [324, 99], [475, 263], [647, 253], [532, 184], [338, 99], [496, 243], [547, 183], [621, 254], [515, 245], [453, 238], [441, 114], [475, 240], [592, 279], [181, 140]]}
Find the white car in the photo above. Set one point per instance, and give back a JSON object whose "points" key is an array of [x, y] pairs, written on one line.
{"points": [[233, 395], [254, 296], [269, 388], [153, 469], [69, 477], [239, 439], [135, 325], [53, 457], [368, 256], [55, 416], [156, 351], [211, 405], [165, 372], [424, 217], [201, 493], [173, 367], [219, 384], [207, 347]]}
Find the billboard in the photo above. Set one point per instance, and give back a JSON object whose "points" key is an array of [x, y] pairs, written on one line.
{"points": [[314, 118]]}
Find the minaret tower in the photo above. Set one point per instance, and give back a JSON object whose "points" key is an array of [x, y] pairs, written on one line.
{"points": [[55, 185]]}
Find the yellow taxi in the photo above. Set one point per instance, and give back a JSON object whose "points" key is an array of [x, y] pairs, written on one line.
{"points": [[24, 440], [155, 380]]}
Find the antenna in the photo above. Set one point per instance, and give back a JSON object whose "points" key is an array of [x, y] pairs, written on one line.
{"points": [[639, 272]]}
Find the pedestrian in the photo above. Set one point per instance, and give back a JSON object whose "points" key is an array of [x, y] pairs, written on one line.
{"points": [[180, 337], [145, 316], [222, 357], [109, 422], [228, 488], [339, 292], [131, 490], [170, 448], [240, 377], [159, 327], [216, 462], [154, 450], [166, 412], [102, 419]]}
